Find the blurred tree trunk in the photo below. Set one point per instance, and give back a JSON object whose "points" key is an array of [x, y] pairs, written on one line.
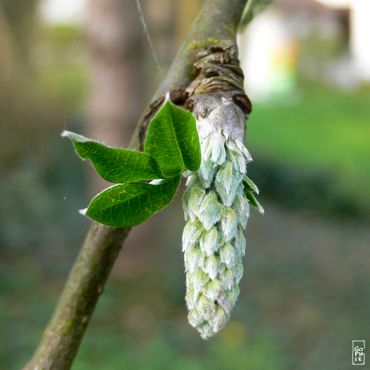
{"points": [[114, 41], [185, 15], [21, 19], [7, 57], [160, 16]]}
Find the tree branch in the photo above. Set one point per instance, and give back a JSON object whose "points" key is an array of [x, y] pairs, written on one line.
{"points": [[215, 26]]}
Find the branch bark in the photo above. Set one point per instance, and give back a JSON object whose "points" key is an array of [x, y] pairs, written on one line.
{"points": [[215, 26]]}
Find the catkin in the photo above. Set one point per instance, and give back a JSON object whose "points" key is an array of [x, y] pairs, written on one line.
{"points": [[216, 207]]}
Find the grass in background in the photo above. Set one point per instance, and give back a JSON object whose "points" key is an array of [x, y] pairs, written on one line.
{"points": [[321, 128]]}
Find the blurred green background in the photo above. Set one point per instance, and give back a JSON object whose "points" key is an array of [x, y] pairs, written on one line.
{"points": [[306, 290]]}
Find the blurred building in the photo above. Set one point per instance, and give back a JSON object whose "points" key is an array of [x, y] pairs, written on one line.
{"points": [[56, 11], [273, 48]]}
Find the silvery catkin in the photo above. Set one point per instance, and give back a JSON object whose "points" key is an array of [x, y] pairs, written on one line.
{"points": [[216, 211]]}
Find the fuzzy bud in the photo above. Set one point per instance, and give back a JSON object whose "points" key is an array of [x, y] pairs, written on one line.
{"points": [[216, 210]]}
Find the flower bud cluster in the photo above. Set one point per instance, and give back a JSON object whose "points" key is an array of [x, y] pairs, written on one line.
{"points": [[216, 206]]}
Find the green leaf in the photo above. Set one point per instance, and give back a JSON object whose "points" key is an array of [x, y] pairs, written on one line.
{"points": [[251, 185], [127, 205], [172, 139], [252, 199], [115, 165]]}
